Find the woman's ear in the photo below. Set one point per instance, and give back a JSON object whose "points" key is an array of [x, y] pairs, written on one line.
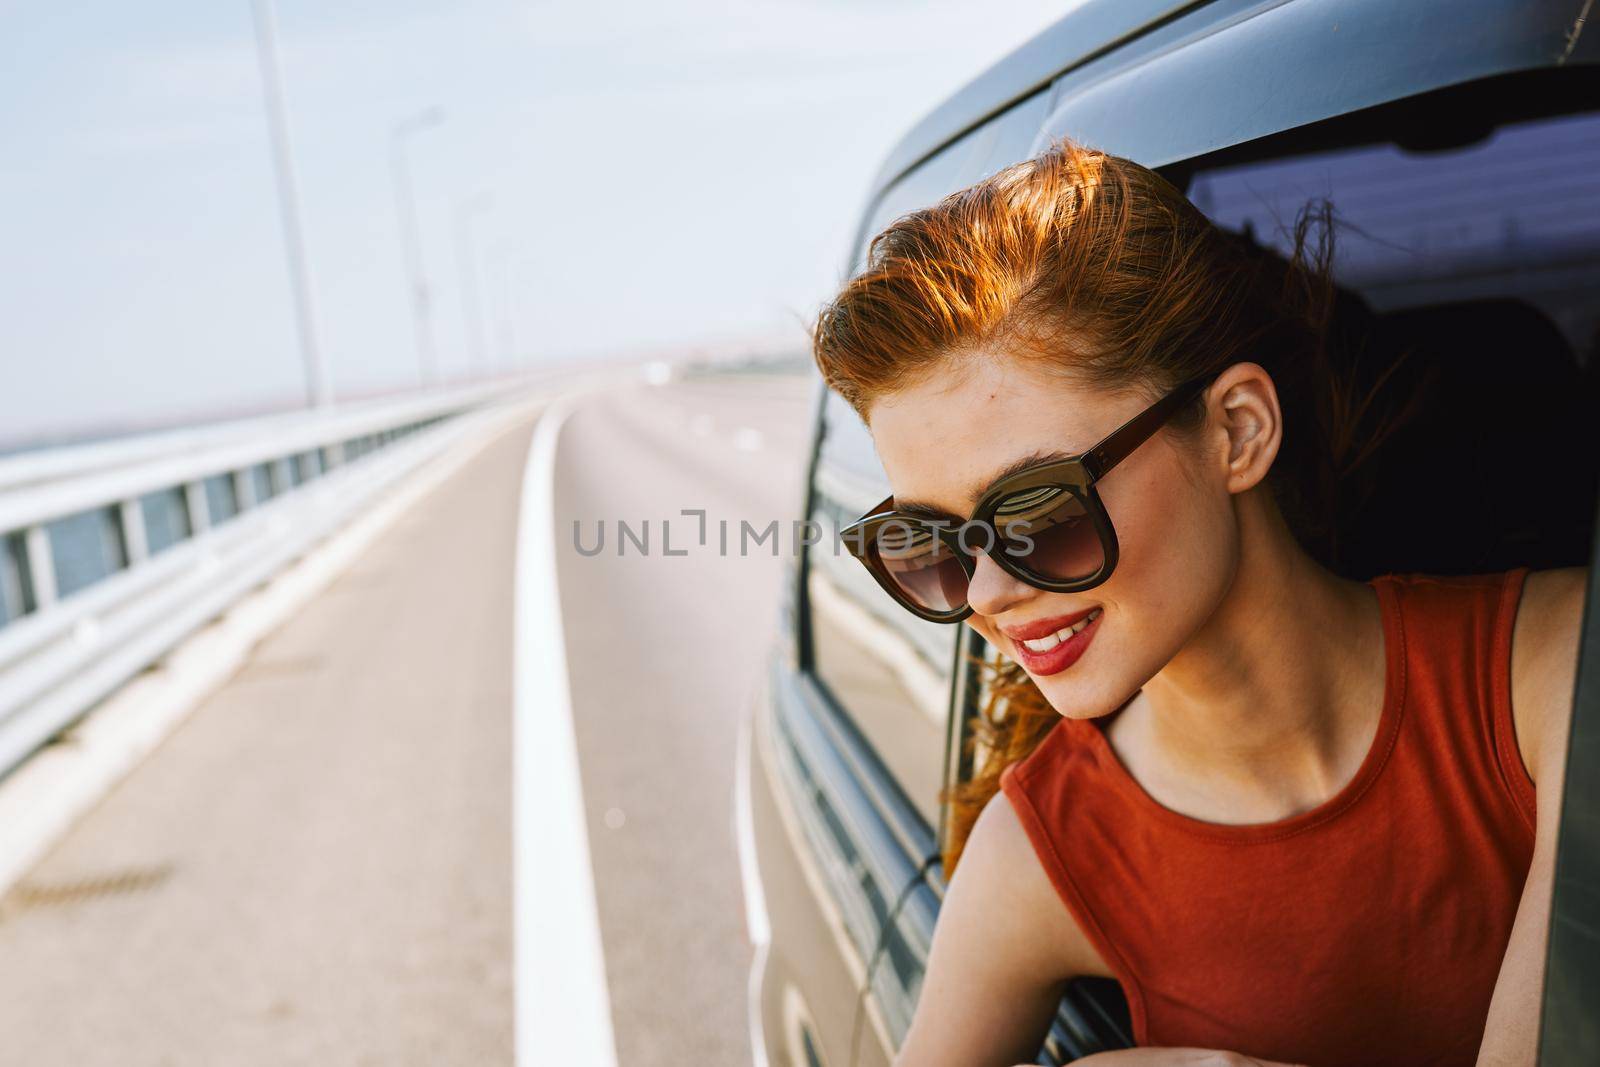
{"points": [[1244, 405]]}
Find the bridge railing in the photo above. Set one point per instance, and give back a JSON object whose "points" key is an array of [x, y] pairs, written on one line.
{"points": [[111, 553]]}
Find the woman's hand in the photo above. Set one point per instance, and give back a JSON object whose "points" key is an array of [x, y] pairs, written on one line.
{"points": [[1173, 1057]]}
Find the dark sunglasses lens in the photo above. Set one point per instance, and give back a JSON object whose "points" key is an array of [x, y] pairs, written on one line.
{"points": [[1050, 532], [921, 565]]}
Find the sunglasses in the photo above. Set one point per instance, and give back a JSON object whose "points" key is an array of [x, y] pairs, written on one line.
{"points": [[1045, 525]]}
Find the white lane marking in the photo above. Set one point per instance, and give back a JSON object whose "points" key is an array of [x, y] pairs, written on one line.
{"points": [[748, 439], [563, 1008], [757, 924]]}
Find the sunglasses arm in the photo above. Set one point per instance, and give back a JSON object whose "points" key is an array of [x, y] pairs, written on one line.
{"points": [[1119, 443]]}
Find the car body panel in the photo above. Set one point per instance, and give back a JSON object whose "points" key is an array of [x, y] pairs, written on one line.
{"points": [[1427, 43], [811, 969], [1290, 64]]}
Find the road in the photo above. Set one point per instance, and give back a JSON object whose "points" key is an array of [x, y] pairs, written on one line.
{"points": [[664, 650], [315, 868]]}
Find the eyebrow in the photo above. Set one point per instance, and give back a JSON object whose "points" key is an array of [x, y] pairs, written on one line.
{"points": [[1021, 463]]}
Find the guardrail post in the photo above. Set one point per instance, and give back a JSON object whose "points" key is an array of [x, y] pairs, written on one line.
{"points": [[244, 488], [135, 542], [282, 478], [199, 508], [13, 598], [41, 567]]}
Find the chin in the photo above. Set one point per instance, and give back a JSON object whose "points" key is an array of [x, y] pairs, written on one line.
{"points": [[1081, 698]]}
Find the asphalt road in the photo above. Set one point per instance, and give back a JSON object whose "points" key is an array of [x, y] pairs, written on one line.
{"points": [[315, 867], [664, 651]]}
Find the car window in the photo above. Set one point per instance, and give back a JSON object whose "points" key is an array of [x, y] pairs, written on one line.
{"points": [[1511, 216], [888, 669], [1467, 244], [1480, 261]]}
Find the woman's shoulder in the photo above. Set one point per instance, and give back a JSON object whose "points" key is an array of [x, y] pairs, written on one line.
{"points": [[1544, 662], [1004, 865], [1524, 623]]}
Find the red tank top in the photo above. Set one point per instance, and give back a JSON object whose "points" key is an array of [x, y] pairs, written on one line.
{"points": [[1368, 930]]}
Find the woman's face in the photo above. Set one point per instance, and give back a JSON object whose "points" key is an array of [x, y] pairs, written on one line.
{"points": [[943, 440]]}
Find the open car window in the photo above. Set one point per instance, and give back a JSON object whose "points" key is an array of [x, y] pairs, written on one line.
{"points": [[1470, 267], [1511, 215], [1474, 253]]}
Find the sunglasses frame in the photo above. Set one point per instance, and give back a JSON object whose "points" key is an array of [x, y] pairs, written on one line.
{"points": [[1075, 474]]}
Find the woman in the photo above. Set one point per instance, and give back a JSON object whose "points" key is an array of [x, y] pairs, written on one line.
{"points": [[1293, 814]]}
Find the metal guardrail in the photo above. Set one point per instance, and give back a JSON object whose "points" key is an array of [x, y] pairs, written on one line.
{"points": [[185, 523], [785, 361]]}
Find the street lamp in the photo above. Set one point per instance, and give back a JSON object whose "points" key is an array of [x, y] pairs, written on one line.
{"points": [[406, 208], [467, 266], [318, 391]]}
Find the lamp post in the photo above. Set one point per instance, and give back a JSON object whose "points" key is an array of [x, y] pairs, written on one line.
{"points": [[467, 266], [318, 391], [406, 208]]}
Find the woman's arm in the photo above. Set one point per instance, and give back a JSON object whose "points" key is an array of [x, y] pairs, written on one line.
{"points": [[1003, 949], [1544, 665]]}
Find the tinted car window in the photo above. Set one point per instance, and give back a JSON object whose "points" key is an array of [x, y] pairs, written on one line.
{"points": [[1480, 264], [1511, 215]]}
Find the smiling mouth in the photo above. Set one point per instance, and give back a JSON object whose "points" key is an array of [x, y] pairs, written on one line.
{"points": [[1049, 641], [1055, 652]]}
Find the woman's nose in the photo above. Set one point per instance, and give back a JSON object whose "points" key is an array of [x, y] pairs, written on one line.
{"points": [[992, 590]]}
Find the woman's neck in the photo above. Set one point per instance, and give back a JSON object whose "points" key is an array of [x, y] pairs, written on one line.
{"points": [[1273, 704]]}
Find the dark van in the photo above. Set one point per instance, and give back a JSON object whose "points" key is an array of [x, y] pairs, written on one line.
{"points": [[1459, 140]]}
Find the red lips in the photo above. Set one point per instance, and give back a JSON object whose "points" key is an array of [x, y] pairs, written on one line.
{"points": [[1028, 631], [1063, 655]]}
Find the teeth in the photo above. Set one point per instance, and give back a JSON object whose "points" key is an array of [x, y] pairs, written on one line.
{"points": [[1045, 644]]}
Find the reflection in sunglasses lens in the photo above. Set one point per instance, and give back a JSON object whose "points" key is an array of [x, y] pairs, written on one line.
{"points": [[921, 565], [1049, 531]]}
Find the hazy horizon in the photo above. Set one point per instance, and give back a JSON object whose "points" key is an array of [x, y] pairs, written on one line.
{"points": [[653, 176]]}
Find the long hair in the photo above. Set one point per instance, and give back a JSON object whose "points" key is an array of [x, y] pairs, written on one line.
{"points": [[1090, 262]]}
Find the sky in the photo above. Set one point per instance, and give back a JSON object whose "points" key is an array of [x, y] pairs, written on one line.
{"points": [[635, 176]]}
